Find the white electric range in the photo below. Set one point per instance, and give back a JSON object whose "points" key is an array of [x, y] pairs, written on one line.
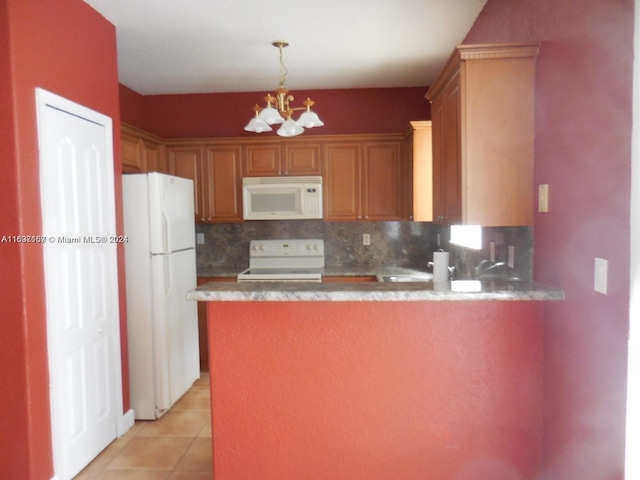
{"points": [[284, 261]]}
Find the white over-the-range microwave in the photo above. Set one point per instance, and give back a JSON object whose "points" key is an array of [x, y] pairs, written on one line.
{"points": [[281, 198]]}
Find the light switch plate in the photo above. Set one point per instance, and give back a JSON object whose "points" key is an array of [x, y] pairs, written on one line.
{"points": [[200, 238], [511, 262], [600, 273], [366, 239], [543, 198]]}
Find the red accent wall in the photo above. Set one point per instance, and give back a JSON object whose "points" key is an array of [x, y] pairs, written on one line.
{"points": [[359, 111], [69, 49], [376, 390], [583, 151]]}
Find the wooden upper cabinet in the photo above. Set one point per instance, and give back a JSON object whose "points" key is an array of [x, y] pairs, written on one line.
{"points": [[483, 135], [382, 176], [132, 154], [215, 171], [268, 160], [222, 189], [142, 152], [155, 157], [418, 172], [342, 178], [362, 180], [262, 160], [186, 161], [302, 159]]}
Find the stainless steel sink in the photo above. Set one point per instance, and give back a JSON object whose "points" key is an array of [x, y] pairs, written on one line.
{"points": [[405, 277]]}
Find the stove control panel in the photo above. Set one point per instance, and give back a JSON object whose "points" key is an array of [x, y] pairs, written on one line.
{"points": [[286, 248]]}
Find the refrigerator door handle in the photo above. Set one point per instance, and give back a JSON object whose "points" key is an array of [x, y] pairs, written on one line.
{"points": [[166, 233]]}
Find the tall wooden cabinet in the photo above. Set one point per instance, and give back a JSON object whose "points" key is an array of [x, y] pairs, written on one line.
{"points": [[418, 172], [483, 135]]}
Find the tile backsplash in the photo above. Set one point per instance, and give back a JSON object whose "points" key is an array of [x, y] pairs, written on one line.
{"points": [[401, 244]]}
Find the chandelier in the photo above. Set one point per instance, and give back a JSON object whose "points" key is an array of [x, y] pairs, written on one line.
{"points": [[278, 111]]}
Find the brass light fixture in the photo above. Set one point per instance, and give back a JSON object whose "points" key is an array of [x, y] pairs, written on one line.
{"points": [[278, 109]]}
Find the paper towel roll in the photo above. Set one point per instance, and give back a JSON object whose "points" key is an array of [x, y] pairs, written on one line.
{"points": [[440, 266]]}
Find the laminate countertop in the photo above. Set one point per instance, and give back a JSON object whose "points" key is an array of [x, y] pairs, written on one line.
{"points": [[464, 290]]}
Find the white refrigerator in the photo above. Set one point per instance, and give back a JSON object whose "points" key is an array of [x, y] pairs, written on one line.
{"points": [[160, 267]]}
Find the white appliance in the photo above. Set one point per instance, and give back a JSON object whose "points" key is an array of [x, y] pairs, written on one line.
{"points": [[160, 266], [281, 198], [284, 261]]}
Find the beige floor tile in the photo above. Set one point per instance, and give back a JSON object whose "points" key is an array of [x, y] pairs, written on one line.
{"points": [[93, 470], [206, 430], [137, 427], [202, 383], [134, 475], [191, 476], [176, 424], [151, 453], [198, 458], [194, 400]]}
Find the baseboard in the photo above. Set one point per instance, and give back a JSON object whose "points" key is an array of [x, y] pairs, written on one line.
{"points": [[126, 422]]}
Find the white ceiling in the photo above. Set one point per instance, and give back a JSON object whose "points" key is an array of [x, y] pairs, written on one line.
{"points": [[206, 46]]}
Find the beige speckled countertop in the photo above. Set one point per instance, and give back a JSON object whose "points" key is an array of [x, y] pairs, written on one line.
{"points": [[371, 291]]}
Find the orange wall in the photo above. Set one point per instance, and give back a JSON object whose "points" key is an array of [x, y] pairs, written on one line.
{"points": [[376, 390], [583, 151], [69, 49], [372, 110]]}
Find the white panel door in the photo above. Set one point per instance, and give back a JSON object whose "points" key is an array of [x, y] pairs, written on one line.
{"points": [[78, 215]]}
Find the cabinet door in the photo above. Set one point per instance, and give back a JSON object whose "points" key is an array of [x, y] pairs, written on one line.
{"points": [[223, 184], [382, 175], [302, 159], [341, 167], [185, 161], [417, 183], [262, 160], [452, 153], [447, 174], [154, 157], [132, 156]]}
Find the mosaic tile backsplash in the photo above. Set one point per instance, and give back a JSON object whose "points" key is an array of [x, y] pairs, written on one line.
{"points": [[401, 244]]}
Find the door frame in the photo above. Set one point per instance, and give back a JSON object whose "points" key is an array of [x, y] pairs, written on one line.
{"points": [[44, 100]]}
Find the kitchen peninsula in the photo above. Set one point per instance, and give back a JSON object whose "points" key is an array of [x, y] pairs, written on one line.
{"points": [[376, 380]]}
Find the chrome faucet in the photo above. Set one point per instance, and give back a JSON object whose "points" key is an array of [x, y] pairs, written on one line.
{"points": [[485, 265], [451, 268]]}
